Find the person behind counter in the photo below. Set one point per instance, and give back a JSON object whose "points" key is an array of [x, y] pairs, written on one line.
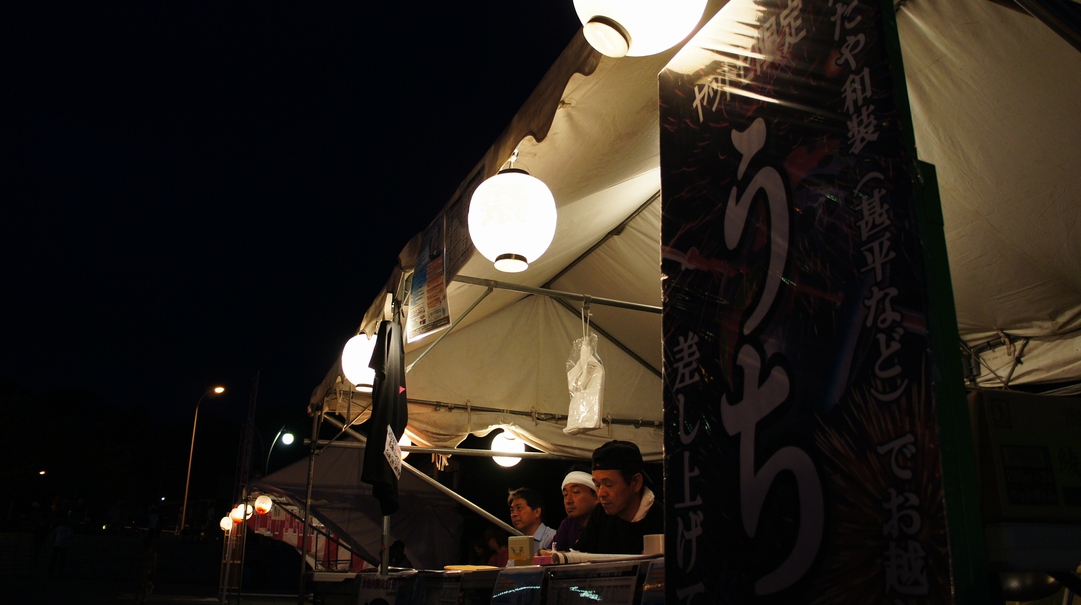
{"points": [[527, 516], [579, 500], [626, 512], [497, 544], [397, 557]]}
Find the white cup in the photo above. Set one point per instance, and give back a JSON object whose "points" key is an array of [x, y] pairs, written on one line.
{"points": [[653, 544]]}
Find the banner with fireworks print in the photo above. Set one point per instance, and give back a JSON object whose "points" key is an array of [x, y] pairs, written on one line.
{"points": [[801, 449]]}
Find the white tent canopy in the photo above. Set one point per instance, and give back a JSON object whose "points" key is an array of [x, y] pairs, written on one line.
{"points": [[994, 100], [994, 97]]}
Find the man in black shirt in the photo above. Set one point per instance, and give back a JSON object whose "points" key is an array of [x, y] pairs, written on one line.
{"points": [[626, 511]]}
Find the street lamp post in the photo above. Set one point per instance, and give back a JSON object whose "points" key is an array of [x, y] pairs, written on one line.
{"points": [[187, 482], [286, 439]]}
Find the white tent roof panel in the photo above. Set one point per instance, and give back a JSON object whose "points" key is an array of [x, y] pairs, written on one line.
{"points": [[994, 95]]}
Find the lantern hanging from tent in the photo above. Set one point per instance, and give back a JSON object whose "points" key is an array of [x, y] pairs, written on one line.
{"points": [[263, 504], [512, 218], [356, 356], [637, 28], [237, 514], [506, 443], [226, 523]]}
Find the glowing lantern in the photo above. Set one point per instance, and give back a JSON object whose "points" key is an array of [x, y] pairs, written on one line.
{"points": [[637, 28], [507, 443], [356, 356], [263, 504], [512, 218], [237, 514], [226, 523]]}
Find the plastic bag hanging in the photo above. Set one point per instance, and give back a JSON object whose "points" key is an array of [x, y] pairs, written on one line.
{"points": [[585, 381]]}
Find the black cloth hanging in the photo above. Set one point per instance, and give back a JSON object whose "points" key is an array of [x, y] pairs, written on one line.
{"points": [[389, 413]]}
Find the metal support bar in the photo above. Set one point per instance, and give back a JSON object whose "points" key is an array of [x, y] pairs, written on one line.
{"points": [[451, 451], [613, 233], [317, 419], [448, 330], [541, 416], [384, 551], [432, 482], [622, 347], [608, 302]]}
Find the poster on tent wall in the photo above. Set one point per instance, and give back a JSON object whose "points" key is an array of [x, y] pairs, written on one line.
{"points": [[428, 307], [801, 449]]}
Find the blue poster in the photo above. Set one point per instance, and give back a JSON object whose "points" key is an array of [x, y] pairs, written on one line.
{"points": [[429, 309]]}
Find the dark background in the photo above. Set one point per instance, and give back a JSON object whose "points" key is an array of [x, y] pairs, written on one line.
{"points": [[194, 194]]}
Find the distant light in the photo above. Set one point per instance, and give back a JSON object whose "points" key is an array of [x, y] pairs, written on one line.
{"points": [[104, 527], [219, 390], [287, 439], [356, 356], [509, 444], [41, 472], [263, 504], [163, 498]]}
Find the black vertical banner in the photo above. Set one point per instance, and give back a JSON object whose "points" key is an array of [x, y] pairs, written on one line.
{"points": [[801, 448]]}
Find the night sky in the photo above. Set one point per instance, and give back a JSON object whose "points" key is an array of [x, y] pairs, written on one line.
{"points": [[198, 192]]}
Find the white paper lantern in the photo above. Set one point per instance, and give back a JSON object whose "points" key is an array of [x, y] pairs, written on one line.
{"points": [[263, 504], [356, 356], [507, 443], [226, 523], [512, 219], [237, 514], [637, 28]]}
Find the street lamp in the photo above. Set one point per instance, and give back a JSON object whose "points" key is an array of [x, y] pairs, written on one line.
{"points": [[187, 482], [263, 504], [286, 439]]}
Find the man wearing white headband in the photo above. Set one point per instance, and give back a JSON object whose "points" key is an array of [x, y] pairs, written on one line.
{"points": [[579, 499]]}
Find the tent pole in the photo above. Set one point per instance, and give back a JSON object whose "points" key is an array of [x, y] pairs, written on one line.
{"points": [[384, 551], [316, 420], [432, 482], [448, 330], [451, 451], [542, 416], [608, 302], [613, 233], [622, 347]]}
